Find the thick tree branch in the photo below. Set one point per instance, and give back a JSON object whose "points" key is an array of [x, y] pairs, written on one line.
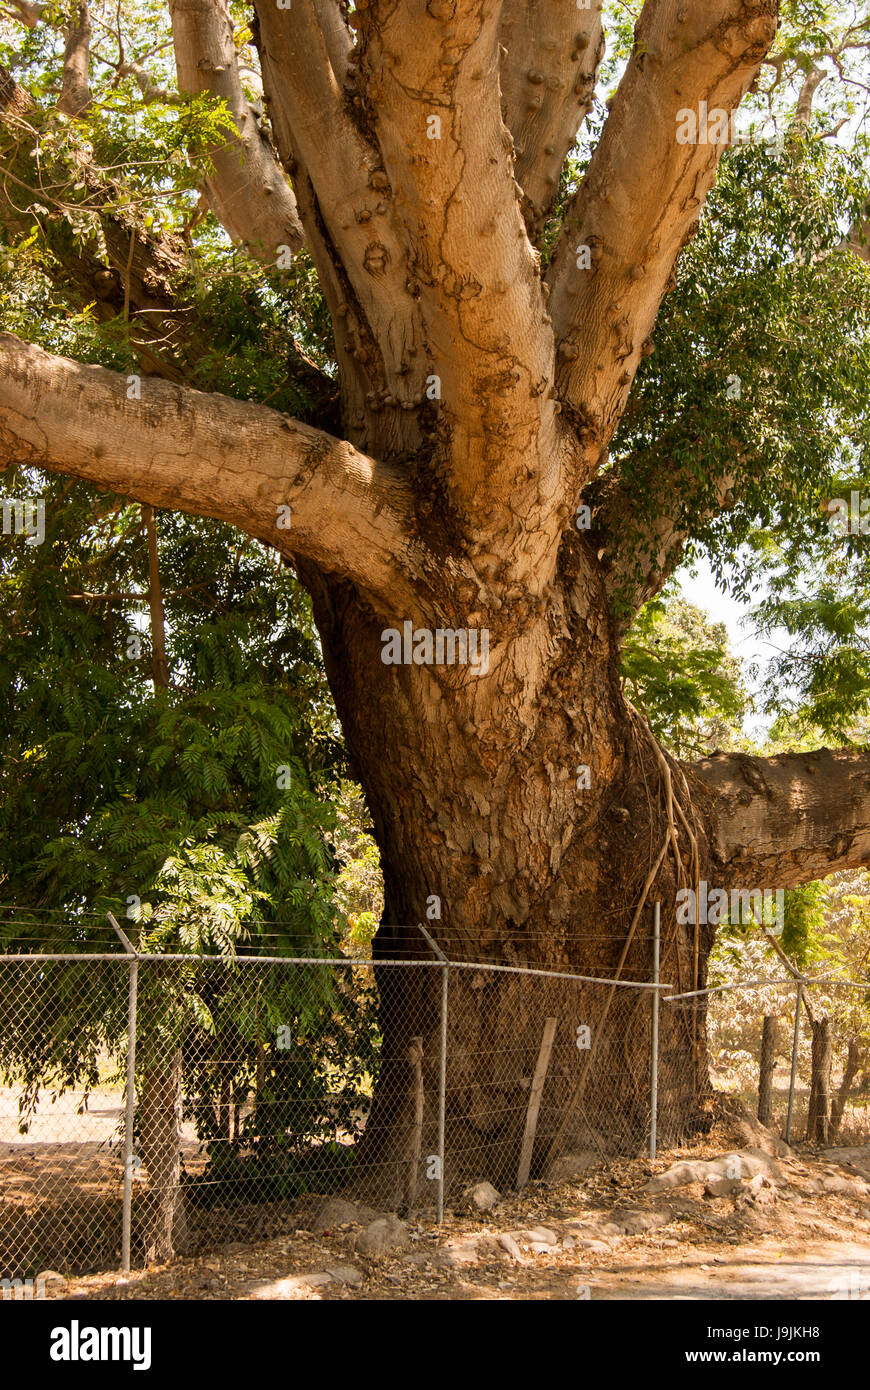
{"points": [[804, 109], [642, 531], [247, 190], [29, 14], [210, 456], [779, 822], [433, 81], [75, 92], [642, 195], [336, 36], [165, 333], [151, 92], [354, 230], [549, 65]]}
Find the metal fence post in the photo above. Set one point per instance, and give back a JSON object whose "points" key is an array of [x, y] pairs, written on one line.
{"points": [[442, 1090], [130, 1099], [794, 1060], [442, 1068], [654, 1038]]}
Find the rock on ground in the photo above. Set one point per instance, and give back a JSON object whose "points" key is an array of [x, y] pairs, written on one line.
{"points": [[567, 1167], [743, 1163], [381, 1236], [337, 1212], [346, 1274], [483, 1196], [294, 1286]]}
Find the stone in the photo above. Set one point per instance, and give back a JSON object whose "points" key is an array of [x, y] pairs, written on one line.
{"points": [[346, 1274], [294, 1286], [568, 1167], [723, 1187], [483, 1196], [633, 1223], [52, 1283], [508, 1243], [380, 1236], [337, 1212]]}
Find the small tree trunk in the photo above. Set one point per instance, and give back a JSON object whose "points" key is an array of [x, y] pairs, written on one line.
{"points": [[160, 1094], [224, 1108], [818, 1119], [165, 1224], [850, 1071], [415, 1137], [766, 1070]]}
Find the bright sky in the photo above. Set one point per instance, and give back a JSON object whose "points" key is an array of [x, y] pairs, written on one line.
{"points": [[700, 588]]}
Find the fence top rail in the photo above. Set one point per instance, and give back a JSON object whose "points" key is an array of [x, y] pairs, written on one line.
{"points": [[555, 974], [759, 984], [126, 958]]}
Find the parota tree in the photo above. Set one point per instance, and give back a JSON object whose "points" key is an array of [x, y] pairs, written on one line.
{"points": [[414, 150]]}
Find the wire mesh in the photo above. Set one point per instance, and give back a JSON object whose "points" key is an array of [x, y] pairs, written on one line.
{"points": [[264, 1085], [62, 1036], [828, 1104]]}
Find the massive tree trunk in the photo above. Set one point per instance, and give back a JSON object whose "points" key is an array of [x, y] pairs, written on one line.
{"points": [[474, 788], [478, 399]]}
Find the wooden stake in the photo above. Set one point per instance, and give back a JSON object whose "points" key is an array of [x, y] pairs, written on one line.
{"points": [[535, 1101]]}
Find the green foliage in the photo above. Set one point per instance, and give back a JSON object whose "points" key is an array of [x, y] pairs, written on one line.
{"points": [[819, 598], [110, 792], [204, 812], [678, 671], [752, 306]]}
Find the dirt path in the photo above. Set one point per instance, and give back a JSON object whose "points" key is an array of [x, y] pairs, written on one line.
{"points": [[822, 1270], [677, 1229]]}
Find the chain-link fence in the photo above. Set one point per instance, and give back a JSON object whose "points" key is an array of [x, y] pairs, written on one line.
{"points": [[154, 1104], [157, 1104], [61, 1112], [793, 1052]]}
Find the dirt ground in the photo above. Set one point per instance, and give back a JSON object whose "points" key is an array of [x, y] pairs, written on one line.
{"points": [[60, 1188], [798, 1229], [795, 1224]]}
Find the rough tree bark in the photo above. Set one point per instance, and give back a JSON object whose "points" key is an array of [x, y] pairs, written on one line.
{"points": [[478, 400], [162, 1214], [766, 1069], [851, 1068], [819, 1114]]}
